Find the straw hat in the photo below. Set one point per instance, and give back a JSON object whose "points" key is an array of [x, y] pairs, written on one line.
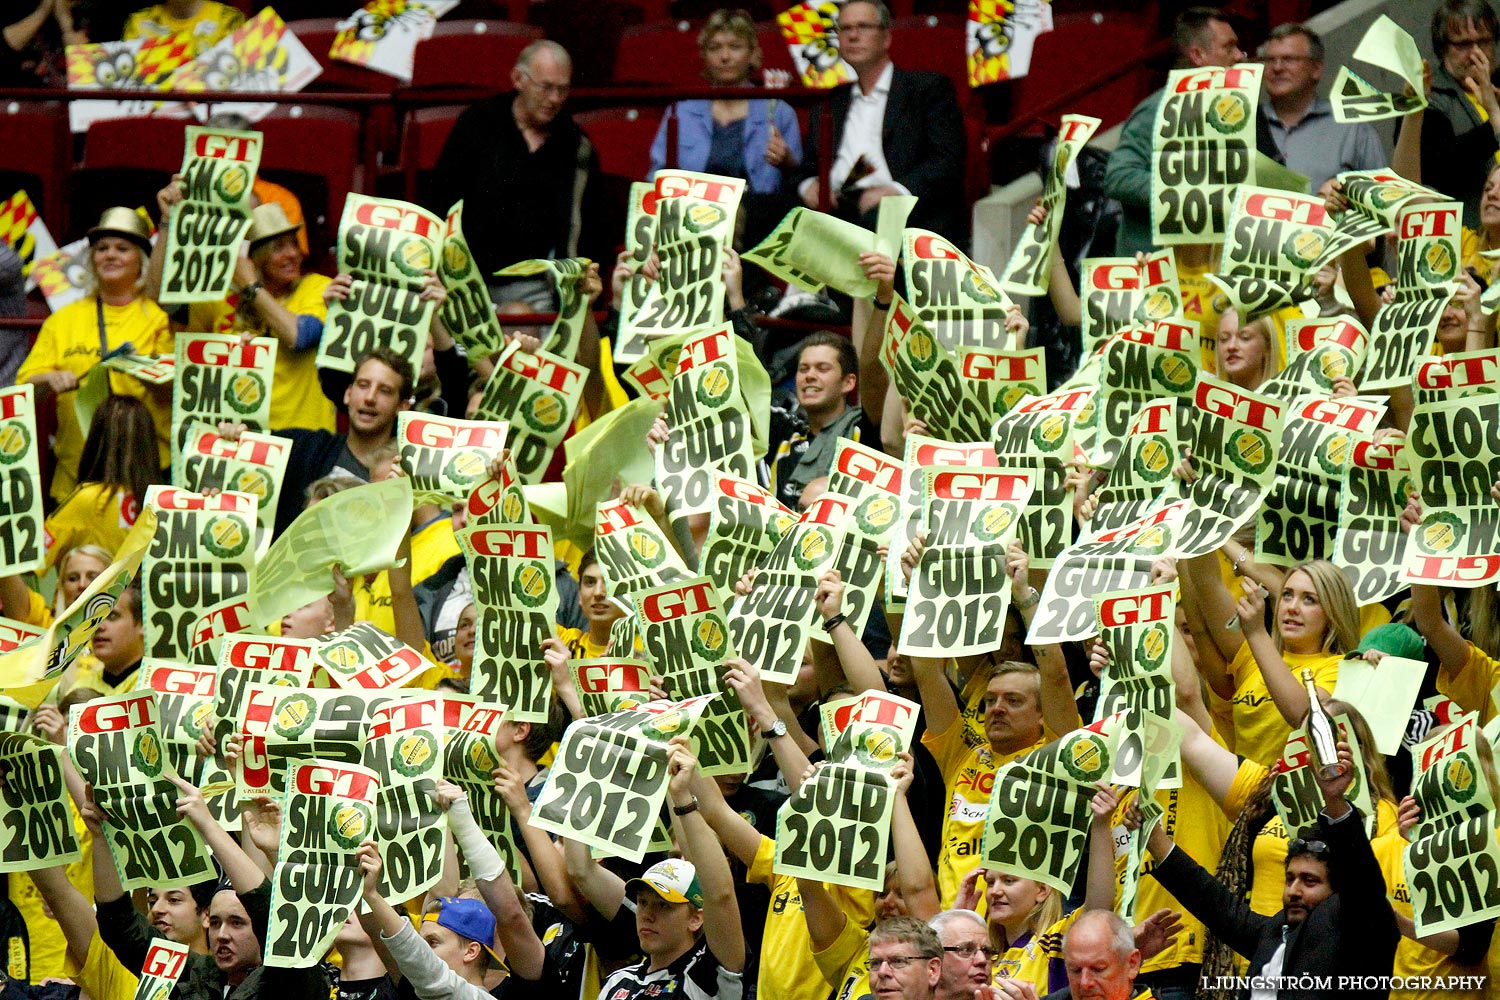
{"points": [[267, 222], [125, 223]]}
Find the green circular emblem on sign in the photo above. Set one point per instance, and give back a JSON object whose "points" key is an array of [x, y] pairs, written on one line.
{"points": [[1158, 304], [532, 585], [413, 751], [813, 547], [456, 258], [710, 638], [1250, 451], [413, 257], [1459, 780], [1048, 434], [1175, 372], [1437, 263], [226, 535], [544, 411], [978, 288], [1386, 195], [1328, 365], [481, 759], [513, 507], [1305, 247], [1151, 647], [256, 482], [341, 657], [1228, 113], [993, 523], [294, 716], [1086, 758], [15, 439], [666, 725], [1334, 454], [878, 746], [703, 217], [466, 468], [716, 385], [1088, 415], [643, 545], [921, 350], [231, 183], [876, 513], [197, 722], [350, 825], [1153, 541], [780, 525], [1440, 532], [1153, 459], [146, 754], [1013, 394], [245, 392]]}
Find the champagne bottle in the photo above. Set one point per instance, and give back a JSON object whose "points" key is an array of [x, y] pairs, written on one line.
{"points": [[1322, 735]]}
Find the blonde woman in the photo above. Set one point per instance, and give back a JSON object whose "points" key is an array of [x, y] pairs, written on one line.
{"points": [[1258, 670], [1248, 354], [115, 313]]}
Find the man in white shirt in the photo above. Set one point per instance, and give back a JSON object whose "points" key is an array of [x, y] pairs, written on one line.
{"points": [[895, 131]]}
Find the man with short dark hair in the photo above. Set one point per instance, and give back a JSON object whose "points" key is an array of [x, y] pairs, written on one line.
{"points": [[895, 131], [1202, 36], [381, 388], [527, 174], [827, 372], [906, 959], [1459, 127], [118, 646]]}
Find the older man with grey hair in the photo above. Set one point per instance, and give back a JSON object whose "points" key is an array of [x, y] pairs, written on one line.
{"points": [[968, 955], [1102, 960], [526, 173]]}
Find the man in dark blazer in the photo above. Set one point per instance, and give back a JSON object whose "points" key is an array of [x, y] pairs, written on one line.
{"points": [[1334, 921], [895, 131]]}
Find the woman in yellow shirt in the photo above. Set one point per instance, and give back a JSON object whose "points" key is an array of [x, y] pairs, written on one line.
{"points": [[76, 337], [1316, 621], [118, 465]]}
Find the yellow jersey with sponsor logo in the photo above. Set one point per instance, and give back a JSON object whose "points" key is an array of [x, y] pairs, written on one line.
{"points": [[1259, 730], [1414, 959], [1473, 686]]}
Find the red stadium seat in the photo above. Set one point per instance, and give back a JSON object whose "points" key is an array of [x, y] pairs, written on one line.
{"points": [[773, 50], [314, 151], [1098, 41], [471, 54], [38, 154], [936, 43], [622, 137], [426, 131], [660, 53], [146, 143]]}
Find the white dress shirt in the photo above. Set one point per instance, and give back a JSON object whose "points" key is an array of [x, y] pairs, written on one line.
{"points": [[864, 136]]}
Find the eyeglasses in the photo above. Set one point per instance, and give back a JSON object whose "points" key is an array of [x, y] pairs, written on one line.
{"points": [[855, 29], [900, 963], [968, 950], [1316, 848], [550, 89]]}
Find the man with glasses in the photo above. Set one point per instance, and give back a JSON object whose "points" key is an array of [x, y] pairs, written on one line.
{"points": [[1302, 123], [526, 173], [1460, 125], [968, 956], [906, 960], [895, 131]]}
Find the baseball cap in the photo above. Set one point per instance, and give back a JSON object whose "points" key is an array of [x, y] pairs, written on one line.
{"points": [[1393, 639], [468, 918], [674, 880]]}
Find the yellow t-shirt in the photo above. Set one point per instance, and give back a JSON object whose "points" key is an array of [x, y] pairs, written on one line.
{"points": [[432, 545], [93, 514], [1269, 850], [1195, 823], [1039, 960], [845, 964], [69, 341], [968, 765], [1412, 958], [102, 976], [1202, 303], [1474, 685], [212, 22], [1259, 730], [787, 969], [297, 399], [581, 645], [49, 949], [87, 671]]}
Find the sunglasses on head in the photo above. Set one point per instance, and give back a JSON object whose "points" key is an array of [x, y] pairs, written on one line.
{"points": [[1317, 848]]}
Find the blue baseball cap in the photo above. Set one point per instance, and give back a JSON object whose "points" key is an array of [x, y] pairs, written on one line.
{"points": [[468, 918]]}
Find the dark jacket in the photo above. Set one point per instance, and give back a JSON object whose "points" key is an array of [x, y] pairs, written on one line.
{"points": [[1352, 933], [923, 139], [1457, 148], [124, 930]]}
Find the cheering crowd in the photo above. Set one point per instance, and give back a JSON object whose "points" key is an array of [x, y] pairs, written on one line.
{"points": [[1224, 897]]}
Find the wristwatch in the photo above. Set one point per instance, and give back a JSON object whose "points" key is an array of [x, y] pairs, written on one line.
{"points": [[776, 730]]}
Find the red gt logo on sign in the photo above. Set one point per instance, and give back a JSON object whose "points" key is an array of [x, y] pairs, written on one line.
{"points": [[221, 353], [225, 147], [402, 220], [336, 782], [115, 716], [693, 599], [433, 434]]}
